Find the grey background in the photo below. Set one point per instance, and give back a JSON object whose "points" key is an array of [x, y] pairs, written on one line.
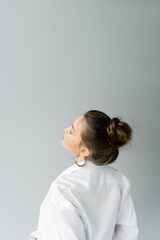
{"points": [[59, 59]]}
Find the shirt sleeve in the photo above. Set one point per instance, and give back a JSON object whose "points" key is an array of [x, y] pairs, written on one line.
{"points": [[126, 227], [59, 217]]}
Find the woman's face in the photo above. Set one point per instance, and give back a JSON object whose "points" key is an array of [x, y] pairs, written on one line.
{"points": [[72, 137]]}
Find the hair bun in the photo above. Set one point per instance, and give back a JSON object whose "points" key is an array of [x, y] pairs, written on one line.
{"points": [[119, 132]]}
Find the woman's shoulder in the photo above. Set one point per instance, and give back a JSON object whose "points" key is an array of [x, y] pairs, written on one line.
{"points": [[82, 178], [122, 177]]}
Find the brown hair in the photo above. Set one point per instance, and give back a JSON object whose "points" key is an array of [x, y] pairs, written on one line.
{"points": [[104, 136]]}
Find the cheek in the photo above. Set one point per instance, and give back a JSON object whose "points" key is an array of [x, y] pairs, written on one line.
{"points": [[72, 141]]}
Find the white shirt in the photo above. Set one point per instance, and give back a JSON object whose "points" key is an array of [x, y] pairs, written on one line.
{"points": [[88, 203]]}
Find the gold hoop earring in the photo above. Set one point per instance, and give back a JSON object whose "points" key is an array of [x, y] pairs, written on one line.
{"points": [[77, 162]]}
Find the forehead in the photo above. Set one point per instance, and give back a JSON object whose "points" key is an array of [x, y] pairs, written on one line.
{"points": [[79, 123]]}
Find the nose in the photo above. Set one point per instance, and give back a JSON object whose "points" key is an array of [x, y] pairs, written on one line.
{"points": [[66, 129]]}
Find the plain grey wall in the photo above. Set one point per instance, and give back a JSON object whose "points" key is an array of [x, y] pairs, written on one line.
{"points": [[59, 59]]}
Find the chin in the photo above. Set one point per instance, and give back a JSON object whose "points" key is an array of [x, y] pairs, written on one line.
{"points": [[64, 146]]}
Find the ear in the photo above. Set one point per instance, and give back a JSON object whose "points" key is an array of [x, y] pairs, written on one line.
{"points": [[85, 152]]}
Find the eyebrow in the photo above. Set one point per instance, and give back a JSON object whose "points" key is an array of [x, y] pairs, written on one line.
{"points": [[73, 127]]}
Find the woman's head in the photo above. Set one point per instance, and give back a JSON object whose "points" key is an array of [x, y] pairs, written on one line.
{"points": [[97, 137]]}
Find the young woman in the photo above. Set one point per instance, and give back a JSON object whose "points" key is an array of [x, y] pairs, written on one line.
{"points": [[90, 200]]}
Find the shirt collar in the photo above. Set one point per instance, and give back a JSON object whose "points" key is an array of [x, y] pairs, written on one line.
{"points": [[75, 167]]}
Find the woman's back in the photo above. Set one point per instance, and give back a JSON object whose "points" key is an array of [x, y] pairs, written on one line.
{"points": [[90, 202]]}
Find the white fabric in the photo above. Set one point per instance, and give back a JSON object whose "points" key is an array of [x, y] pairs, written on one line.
{"points": [[88, 203]]}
